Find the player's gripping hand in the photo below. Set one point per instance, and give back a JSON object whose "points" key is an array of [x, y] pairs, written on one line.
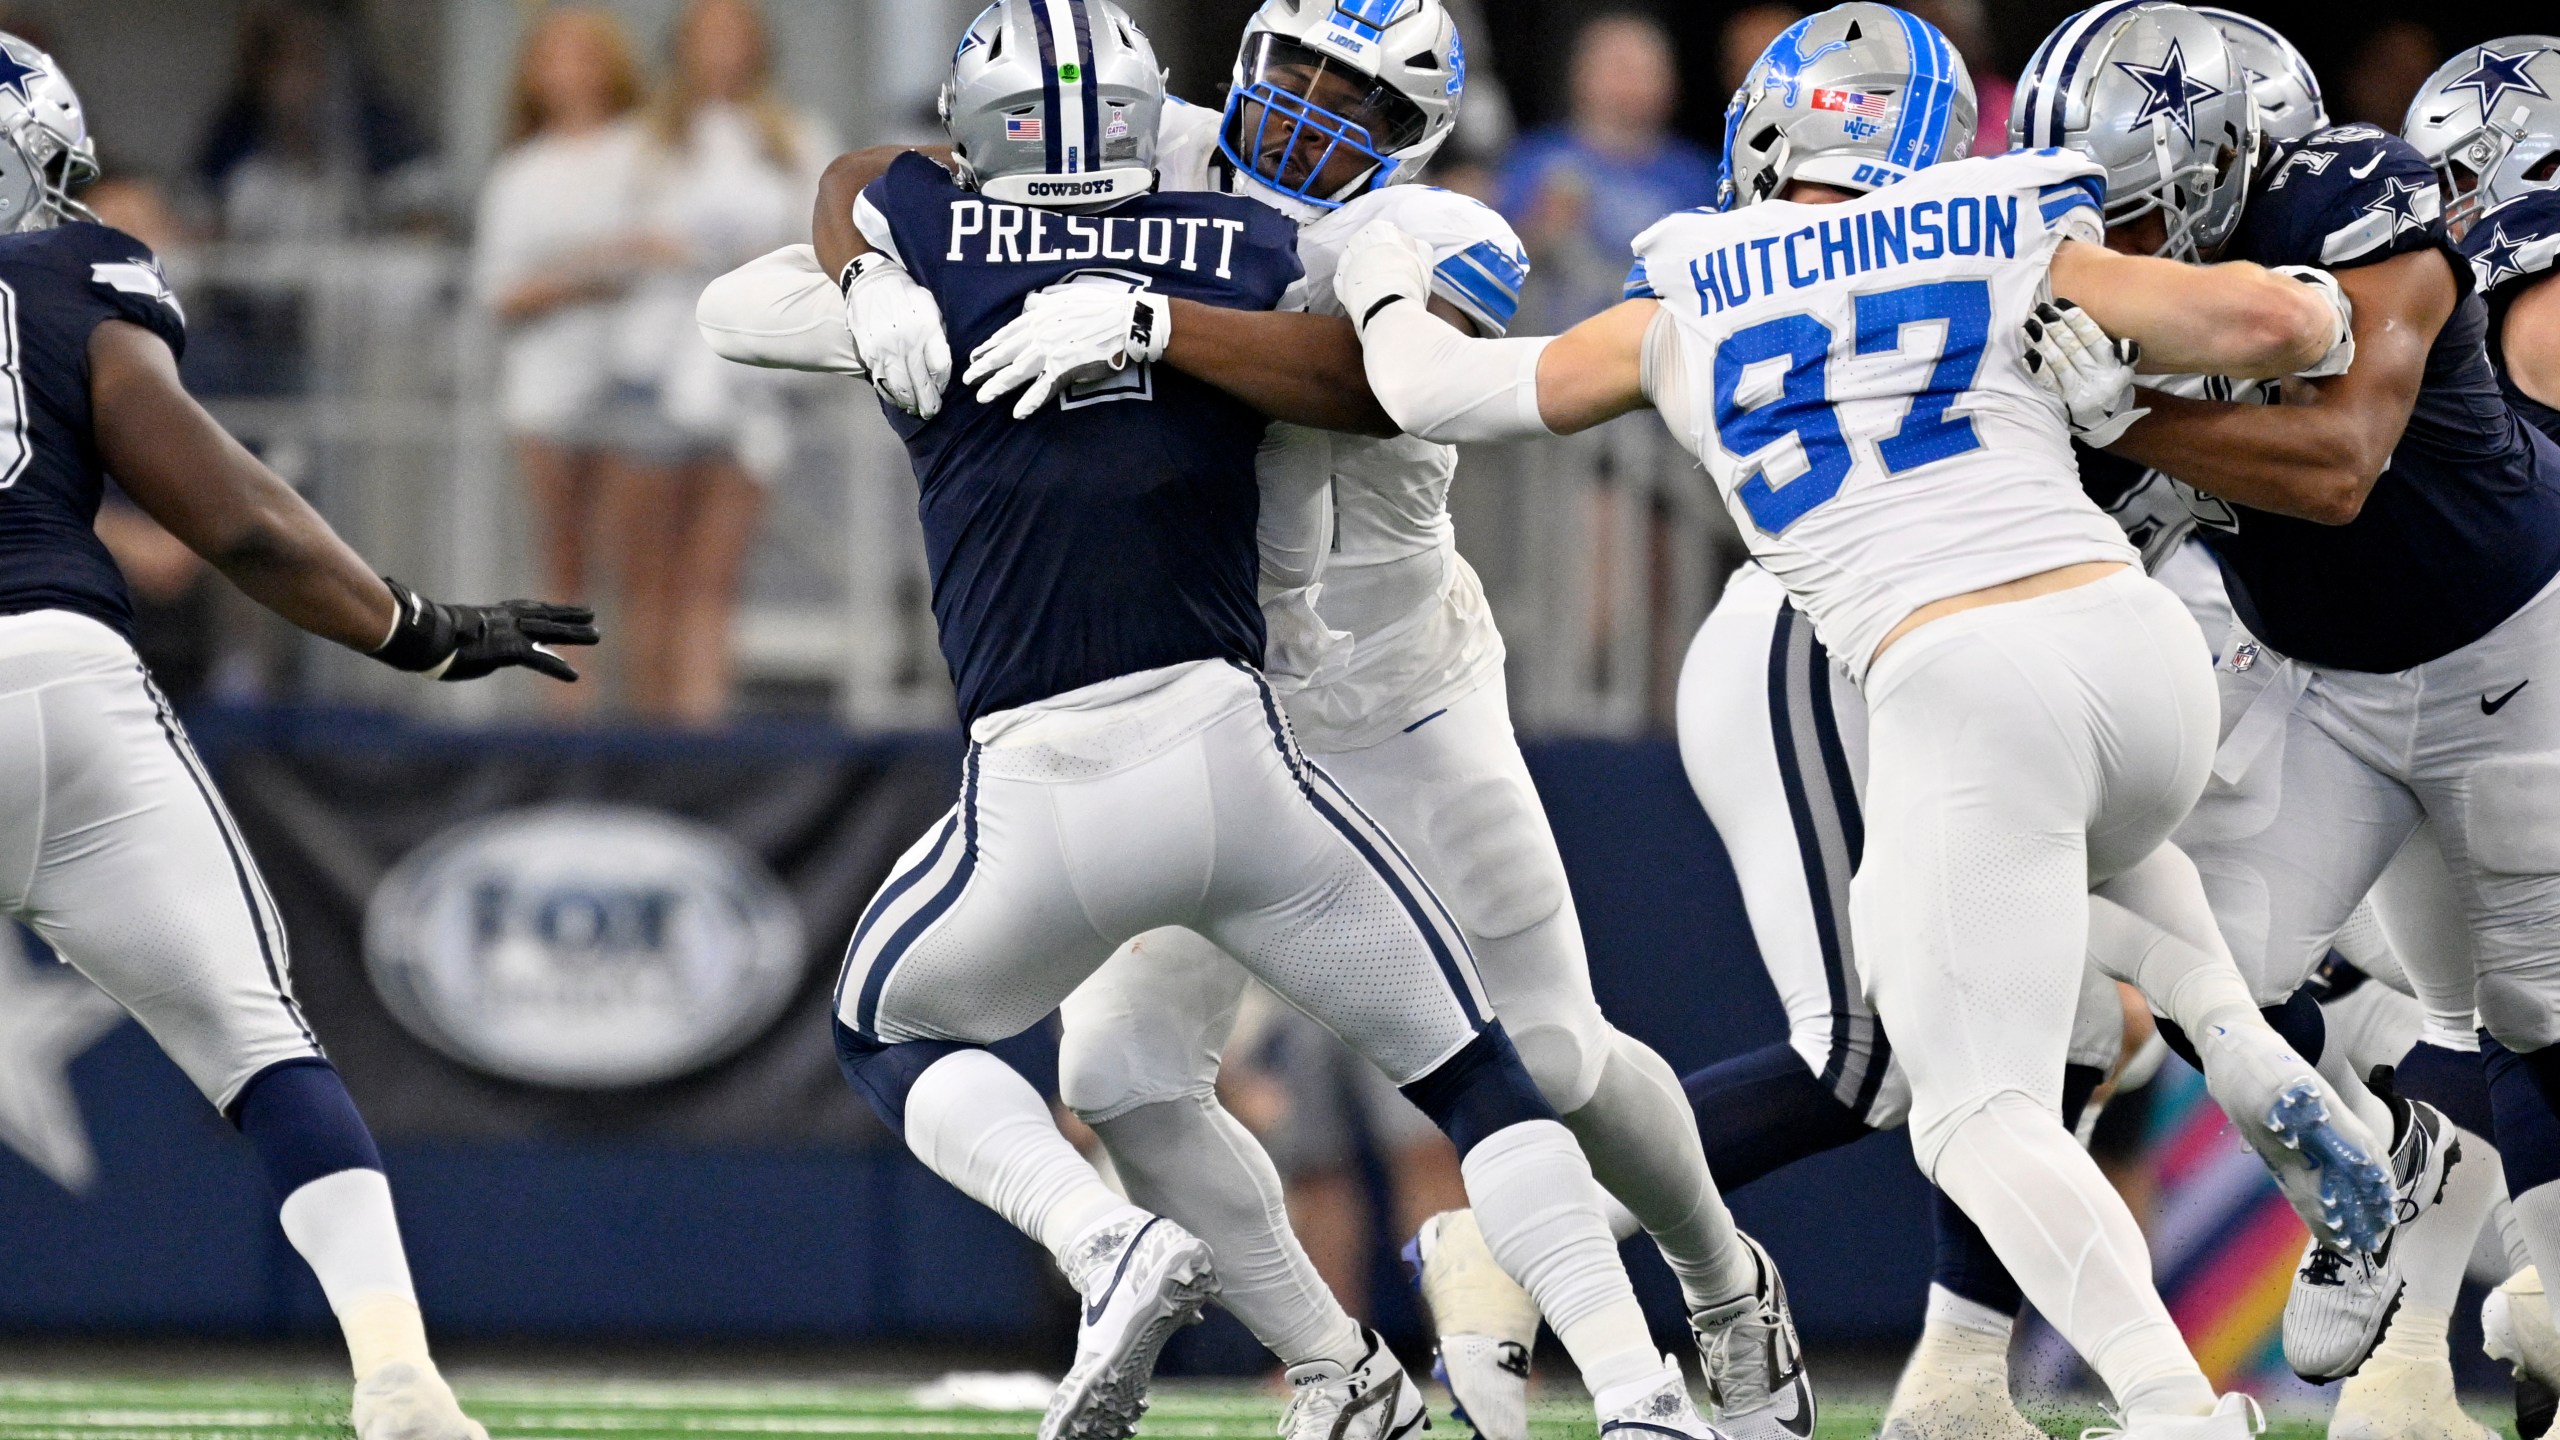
{"points": [[2342, 347], [1381, 266], [465, 642], [2090, 371], [1081, 330], [897, 333]]}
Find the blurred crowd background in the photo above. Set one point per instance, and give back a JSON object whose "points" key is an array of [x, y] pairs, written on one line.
{"points": [[439, 260]]}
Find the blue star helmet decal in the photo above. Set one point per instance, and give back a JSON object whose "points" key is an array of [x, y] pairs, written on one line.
{"points": [[2170, 90], [17, 74], [2401, 200], [2497, 259], [2495, 74]]}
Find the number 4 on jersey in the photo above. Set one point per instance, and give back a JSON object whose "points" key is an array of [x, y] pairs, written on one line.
{"points": [[1802, 409]]}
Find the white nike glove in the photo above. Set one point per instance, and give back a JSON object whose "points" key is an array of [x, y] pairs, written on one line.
{"points": [[1069, 333], [897, 332], [2342, 349], [2088, 370], [1381, 266]]}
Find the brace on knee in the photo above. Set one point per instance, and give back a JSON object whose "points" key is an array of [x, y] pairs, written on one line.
{"points": [[1764, 1110], [299, 1117], [1967, 1267], [1479, 1091]]}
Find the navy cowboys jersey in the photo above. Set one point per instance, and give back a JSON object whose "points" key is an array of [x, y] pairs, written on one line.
{"points": [[2464, 525], [2511, 250], [56, 286], [1113, 531]]}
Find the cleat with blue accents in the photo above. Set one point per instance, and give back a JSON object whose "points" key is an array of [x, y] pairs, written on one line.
{"points": [[2355, 1196], [2329, 1167], [1142, 1278]]}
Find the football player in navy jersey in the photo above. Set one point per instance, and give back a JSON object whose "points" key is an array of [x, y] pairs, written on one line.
{"points": [[1094, 560], [2489, 120], [117, 850], [2354, 711]]}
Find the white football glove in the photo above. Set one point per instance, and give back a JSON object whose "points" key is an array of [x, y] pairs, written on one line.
{"points": [[1382, 264], [1069, 333], [2090, 371], [897, 333], [2342, 348]]}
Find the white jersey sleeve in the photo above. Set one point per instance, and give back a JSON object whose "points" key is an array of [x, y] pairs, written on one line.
{"points": [[1186, 146], [1478, 262], [780, 312], [1853, 378]]}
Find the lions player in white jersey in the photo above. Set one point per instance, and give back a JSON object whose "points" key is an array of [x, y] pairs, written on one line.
{"points": [[1324, 119], [2040, 714]]}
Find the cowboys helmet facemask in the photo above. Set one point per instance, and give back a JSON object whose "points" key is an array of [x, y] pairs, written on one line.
{"points": [[2490, 124], [1316, 79], [1054, 103], [1856, 98], [2153, 93]]}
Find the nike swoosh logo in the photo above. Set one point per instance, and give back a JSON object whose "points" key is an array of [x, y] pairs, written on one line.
{"points": [[1093, 1309], [1801, 1423], [2492, 707], [2365, 169]]}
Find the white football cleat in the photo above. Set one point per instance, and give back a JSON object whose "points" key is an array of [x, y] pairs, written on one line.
{"points": [[2330, 1170], [2392, 1398], [1950, 1391], [1755, 1368], [1144, 1279], [1647, 1408], [402, 1401], [2343, 1300], [1482, 1321], [2515, 1327], [2237, 1417], [1373, 1400]]}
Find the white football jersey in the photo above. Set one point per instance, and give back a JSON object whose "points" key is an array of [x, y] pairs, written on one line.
{"points": [[1853, 377], [1422, 633]]}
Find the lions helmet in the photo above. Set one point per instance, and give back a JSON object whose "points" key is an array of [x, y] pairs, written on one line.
{"points": [[47, 153], [1054, 102], [2280, 80], [1314, 79], [1856, 97], [2153, 93], [2488, 121]]}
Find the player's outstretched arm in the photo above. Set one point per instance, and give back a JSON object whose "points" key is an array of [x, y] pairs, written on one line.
{"points": [[186, 472], [1304, 369], [2317, 455], [1442, 385], [2233, 319]]}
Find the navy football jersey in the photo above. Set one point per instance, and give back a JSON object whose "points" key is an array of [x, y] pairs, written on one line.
{"points": [[1113, 531], [56, 286], [2511, 250], [2464, 525]]}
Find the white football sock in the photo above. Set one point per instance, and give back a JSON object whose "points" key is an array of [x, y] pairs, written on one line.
{"points": [[1190, 1161], [2066, 1236], [976, 1123], [345, 1230], [2434, 1249], [1539, 1210], [1971, 1324], [1642, 1141], [2537, 1214]]}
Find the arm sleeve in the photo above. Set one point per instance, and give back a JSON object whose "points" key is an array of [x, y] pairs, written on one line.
{"points": [[779, 313], [1445, 387]]}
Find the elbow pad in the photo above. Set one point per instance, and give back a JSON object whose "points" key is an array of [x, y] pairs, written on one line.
{"points": [[780, 312], [1447, 387]]}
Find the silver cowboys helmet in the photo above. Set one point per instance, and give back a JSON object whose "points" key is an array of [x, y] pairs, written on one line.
{"points": [[2152, 92], [1054, 102], [1857, 97], [47, 153], [2489, 121], [2280, 80], [1315, 79]]}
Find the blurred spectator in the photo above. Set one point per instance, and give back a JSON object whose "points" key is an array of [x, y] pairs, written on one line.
{"points": [[556, 243], [1581, 192], [1747, 34], [2389, 67], [305, 146], [1963, 24], [726, 174]]}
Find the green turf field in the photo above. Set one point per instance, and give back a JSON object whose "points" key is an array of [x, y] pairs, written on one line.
{"points": [[527, 1409]]}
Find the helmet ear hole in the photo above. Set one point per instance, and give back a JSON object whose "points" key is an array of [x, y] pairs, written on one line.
{"points": [[2545, 168]]}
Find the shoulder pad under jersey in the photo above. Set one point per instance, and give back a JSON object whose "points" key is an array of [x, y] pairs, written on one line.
{"points": [[2515, 244], [2348, 195]]}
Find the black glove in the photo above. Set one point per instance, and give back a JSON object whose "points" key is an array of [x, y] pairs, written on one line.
{"points": [[465, 642]]}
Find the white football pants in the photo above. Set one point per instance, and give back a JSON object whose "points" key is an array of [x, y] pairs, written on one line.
{"points": [[115, 847]]}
